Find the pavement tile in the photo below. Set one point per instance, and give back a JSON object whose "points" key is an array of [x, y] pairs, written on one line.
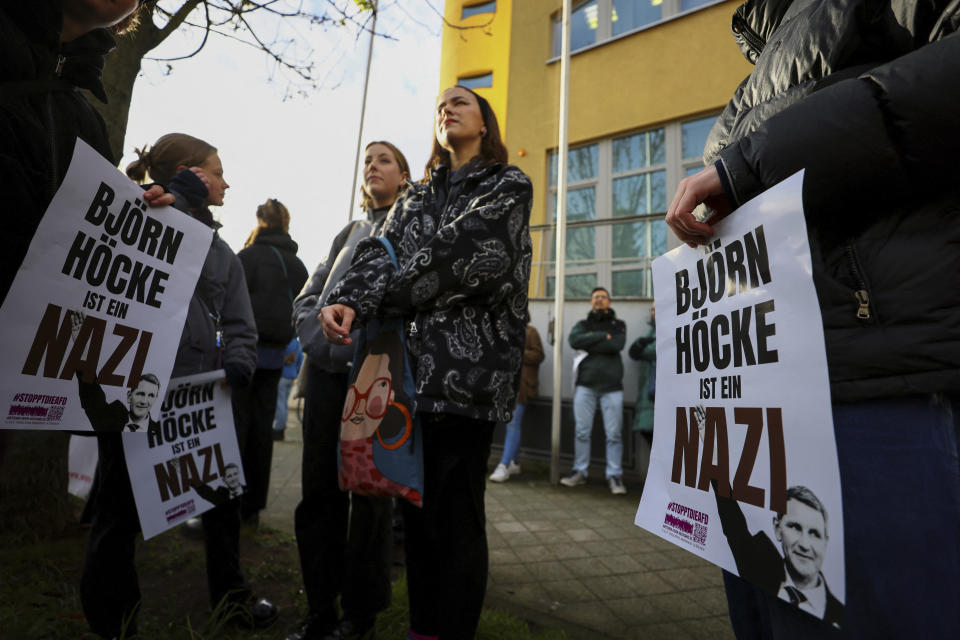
{"points": [[646, 583], [530, 595], [569, 550], [552, 537], [583, 535], [614, 533], [586, 568], [510, 527], [552, 570], [608, 587], [633, 544], [566, 591], [521, 539], [620, 563], [713, 601], [510, 574], [660, 631], [687, 579], [539, 525], [501, 516], [716, 628], [534, 553], [656, 560], [679, 607], [503, 556], [636, 611]]}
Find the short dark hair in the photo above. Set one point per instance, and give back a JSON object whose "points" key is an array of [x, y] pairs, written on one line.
{"points": [[595, 289], [492, 149], [149, 377], [229, 465], [807, 497]]}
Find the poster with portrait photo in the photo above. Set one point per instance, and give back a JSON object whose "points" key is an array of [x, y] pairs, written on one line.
{"points": [[99, 301], [188, 461], [743, 470]]}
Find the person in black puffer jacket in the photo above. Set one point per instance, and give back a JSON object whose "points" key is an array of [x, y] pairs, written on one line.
{"points": [[462, 241], [274, 276], [863, 95]]}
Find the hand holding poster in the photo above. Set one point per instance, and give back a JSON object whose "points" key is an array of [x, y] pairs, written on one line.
{"points": [[188, 461], [743, 470], [99, 303]]}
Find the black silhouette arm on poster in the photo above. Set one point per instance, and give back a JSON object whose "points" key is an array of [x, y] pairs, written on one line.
{"points": [[104, 417], [218, 496]]}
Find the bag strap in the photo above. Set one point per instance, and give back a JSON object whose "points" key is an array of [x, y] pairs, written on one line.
{"points": [[389, 247], [283, 265]]}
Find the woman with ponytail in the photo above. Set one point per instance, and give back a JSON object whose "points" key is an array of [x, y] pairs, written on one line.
{"points": [[356, 567], [274, 275], [219, 333]]}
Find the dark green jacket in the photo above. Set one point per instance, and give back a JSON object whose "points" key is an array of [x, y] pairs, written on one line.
{"points": [[602, 369]]}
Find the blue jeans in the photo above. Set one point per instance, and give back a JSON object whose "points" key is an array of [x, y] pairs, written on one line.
{"points": [[511, 442], [283, 410], [584, 406], [901, 513]]}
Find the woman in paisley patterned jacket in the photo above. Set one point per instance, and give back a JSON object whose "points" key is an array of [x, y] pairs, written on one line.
{"points": [[463, 245]]}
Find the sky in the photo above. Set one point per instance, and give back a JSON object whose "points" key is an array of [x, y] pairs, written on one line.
{"points": [[300, 150]]}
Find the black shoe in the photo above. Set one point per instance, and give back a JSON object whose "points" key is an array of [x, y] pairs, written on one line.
{"points": [[277, 435], [354, 629]]}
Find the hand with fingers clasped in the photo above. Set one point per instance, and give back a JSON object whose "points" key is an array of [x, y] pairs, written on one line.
{"points": [[337, 319], [703, 187]]}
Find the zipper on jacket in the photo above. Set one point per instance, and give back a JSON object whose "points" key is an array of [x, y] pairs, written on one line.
{"points": [[861, 294], [750, 36], [60, 60]]}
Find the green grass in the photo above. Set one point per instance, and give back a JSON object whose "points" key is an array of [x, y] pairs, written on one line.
{"points": [[39, 592]]}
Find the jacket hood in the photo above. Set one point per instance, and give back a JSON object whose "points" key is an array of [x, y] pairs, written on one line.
{"points": [[276, 238], [83, 66]]}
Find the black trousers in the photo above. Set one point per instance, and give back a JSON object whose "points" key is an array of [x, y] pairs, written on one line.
{"points": [[344, 540], [254, 407], [109, 588], [446, 540]]}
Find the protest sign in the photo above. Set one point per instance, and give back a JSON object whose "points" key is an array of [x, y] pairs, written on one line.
{"points": [[189, 460], [743, 470], [101, 295]]}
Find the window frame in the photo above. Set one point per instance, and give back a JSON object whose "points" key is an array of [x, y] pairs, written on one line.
{"points": [[477, 5], [603, 263], [670, 10]]}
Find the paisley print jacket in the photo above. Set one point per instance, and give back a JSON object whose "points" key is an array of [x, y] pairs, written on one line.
{"points": [[464, 256]]}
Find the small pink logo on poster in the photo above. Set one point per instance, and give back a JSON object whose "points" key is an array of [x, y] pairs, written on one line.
{"points": [[36, 408], [180, 511], [687, 524]]}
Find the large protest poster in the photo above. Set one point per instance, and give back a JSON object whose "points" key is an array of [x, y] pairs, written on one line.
{"points": [[743, 470], [188, 461], [103, 292]]}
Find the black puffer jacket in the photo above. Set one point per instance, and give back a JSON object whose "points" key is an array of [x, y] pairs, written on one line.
{"points": [[463, 244], [864, 95], [271, 288], [41, 115]]}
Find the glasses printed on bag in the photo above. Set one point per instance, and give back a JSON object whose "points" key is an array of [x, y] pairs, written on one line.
{"points": [[377, 397]]}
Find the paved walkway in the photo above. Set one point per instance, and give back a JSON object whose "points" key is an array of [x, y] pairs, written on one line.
{"points": [[567, 558]]}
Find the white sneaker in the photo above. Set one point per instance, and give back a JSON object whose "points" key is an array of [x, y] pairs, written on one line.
{"points": [[616, 485], [500, 474], [575, 479], [514, 468]]}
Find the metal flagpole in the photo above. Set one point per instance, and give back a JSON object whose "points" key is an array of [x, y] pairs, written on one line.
{"points": [[561, 244], [363, 111]]}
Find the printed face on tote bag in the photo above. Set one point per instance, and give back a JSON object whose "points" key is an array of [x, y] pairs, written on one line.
{"points": [[371, 405]]}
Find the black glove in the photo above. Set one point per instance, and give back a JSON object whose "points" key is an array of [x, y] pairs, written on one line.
{"points": [[237, 376], [188, 188], [646, 340]]}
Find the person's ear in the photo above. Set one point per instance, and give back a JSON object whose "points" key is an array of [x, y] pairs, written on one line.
{"points": [[181, 167]]}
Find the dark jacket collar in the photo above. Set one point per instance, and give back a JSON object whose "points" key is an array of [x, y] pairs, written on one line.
{"points": [[274, 237], [595, 316]]}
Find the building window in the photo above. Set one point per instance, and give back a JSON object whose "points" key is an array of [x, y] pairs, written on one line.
{"points": [[477, 9], [481, 81], [618, 190], [599, 20], [584, 21]]}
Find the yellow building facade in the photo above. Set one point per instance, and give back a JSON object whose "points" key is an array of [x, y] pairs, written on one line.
{"points": [[647, 78]]}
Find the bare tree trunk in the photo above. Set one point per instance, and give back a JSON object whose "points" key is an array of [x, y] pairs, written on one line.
{"points": [[33, 484]]}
